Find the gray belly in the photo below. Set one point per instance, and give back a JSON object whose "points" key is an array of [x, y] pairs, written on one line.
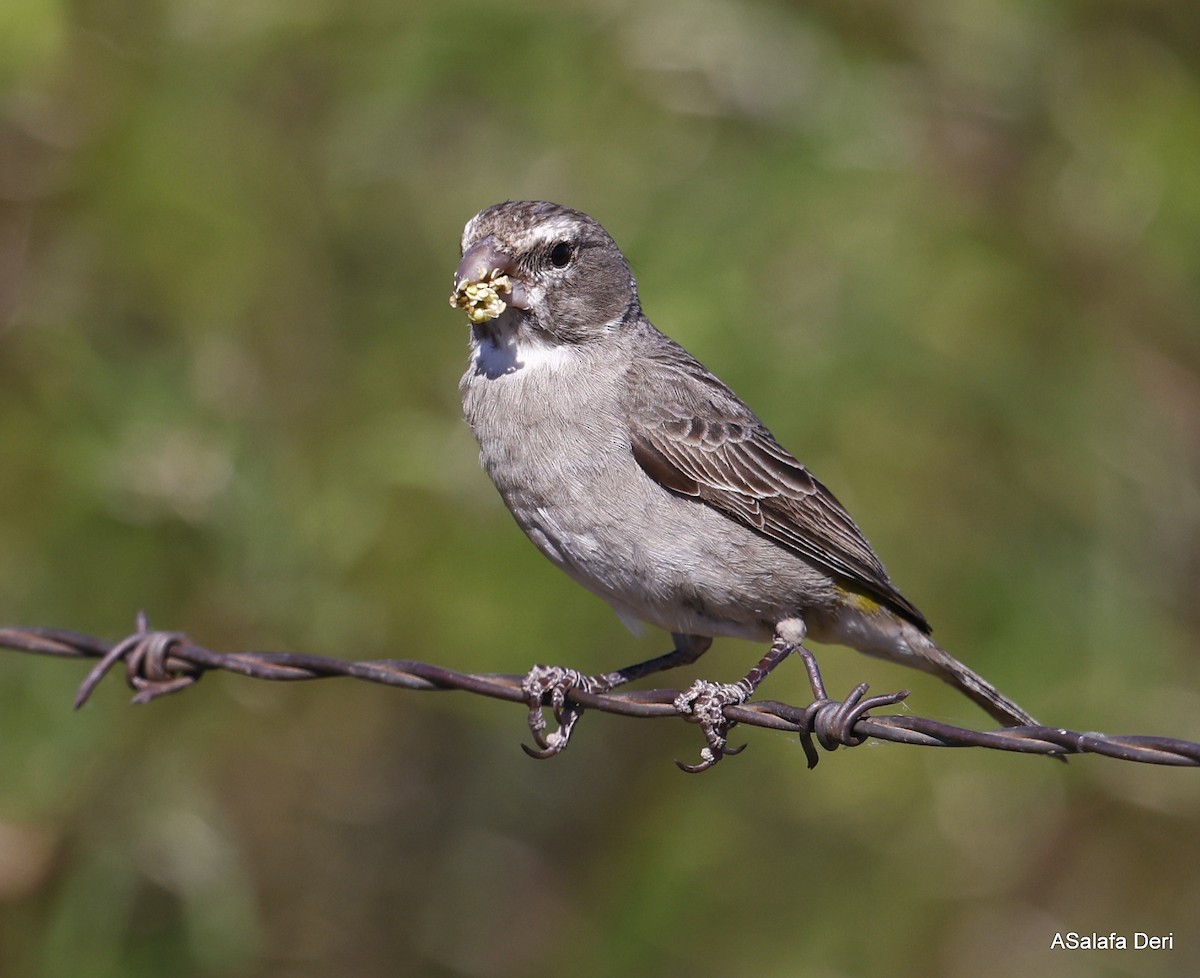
{"points": [[564, 468]]}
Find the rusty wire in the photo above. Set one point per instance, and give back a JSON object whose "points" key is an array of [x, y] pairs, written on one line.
{"points": [[160, 662]]}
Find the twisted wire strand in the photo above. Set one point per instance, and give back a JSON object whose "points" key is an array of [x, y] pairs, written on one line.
{"points": [[158, 663]]}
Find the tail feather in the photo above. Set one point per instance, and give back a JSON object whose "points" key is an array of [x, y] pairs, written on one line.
{"points": [[873, 629], [943, 665]]}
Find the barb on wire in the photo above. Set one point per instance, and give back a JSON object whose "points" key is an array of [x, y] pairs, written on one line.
{"points": [[160, 662]]}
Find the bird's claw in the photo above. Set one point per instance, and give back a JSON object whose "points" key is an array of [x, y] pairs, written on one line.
{"points": [[548, 686], [704, 703]]}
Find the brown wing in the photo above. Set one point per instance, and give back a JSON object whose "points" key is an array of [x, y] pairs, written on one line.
{"points": [[700, 440]]}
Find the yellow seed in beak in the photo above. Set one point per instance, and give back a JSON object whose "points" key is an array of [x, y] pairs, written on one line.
{"points": [[481, 300]]}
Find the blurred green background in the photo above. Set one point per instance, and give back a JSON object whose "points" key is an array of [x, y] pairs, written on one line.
{"points": [[948, 249]]}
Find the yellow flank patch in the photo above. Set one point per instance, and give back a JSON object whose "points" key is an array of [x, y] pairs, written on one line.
{"points": [[859, 602], [481, 300]]}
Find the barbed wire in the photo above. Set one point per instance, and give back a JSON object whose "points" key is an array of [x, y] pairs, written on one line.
{"points": [[158, 663]]}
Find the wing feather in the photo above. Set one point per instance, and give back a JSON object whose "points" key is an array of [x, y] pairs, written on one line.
{"points": [[702, 441]]}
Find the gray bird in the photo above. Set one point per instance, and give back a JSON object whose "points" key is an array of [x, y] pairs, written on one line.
{"points": [[639, 473]]}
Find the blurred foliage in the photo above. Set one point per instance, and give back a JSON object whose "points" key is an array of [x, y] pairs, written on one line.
{"points": [[948, 250]]}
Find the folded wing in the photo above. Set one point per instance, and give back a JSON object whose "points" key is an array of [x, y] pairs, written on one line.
{"points": [[702, 441]]}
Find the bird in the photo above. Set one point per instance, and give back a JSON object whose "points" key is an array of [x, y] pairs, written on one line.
{"points": [[644, 477]]}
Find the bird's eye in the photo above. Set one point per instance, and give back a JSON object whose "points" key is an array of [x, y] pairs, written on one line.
{"points": [[560, 254]]}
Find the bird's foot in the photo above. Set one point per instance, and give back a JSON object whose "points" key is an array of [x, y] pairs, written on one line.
{"points": [[704, 703], [549, 686]]}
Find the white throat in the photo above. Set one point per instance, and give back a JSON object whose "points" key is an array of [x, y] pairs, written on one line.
{"points": [[504, 352]]}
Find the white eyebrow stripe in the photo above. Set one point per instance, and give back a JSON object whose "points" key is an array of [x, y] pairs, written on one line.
{"points": [[546, 233], [552, 230]]}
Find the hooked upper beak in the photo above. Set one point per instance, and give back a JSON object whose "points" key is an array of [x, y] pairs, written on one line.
{"points": [[485, 260]]}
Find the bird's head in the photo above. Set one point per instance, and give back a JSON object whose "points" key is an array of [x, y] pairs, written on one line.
{"points": [[554, 266]]}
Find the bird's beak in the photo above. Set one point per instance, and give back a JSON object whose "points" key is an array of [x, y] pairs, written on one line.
{"points": [[484, 261]]}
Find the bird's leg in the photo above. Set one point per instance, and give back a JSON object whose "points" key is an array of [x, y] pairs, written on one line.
{"points": [[550, 686], [704, 703]]}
